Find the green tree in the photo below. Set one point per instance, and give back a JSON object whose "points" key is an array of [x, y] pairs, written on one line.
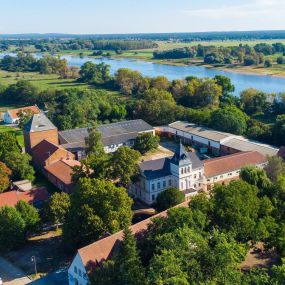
{"points": [[225, 83], [124, 165], [236, 209], [280, 60], [127, 262], [160, 83], [12, 229], [20, 165], [254, 101], [5, 173], [255, 176], [230, 119], [24, 117], [97, 207], [166, 269], [146, 142], [30, 216], [275, 167], [201, 93], [95, 73], [169, 198], [58, 207], [8, 143], [157, 107], [268, 62]]}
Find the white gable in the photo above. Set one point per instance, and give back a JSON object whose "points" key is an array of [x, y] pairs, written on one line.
{"points": [[77, 274]]}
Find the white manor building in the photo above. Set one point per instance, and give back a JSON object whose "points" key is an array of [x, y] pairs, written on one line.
{"points": [[185, 171]]}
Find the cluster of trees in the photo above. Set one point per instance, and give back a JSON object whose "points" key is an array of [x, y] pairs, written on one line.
{"points": [[68, 108], [242, 54], [27, 63], [78, 44], [206, 242], [14, 165], [17, 224], [159, 101]]}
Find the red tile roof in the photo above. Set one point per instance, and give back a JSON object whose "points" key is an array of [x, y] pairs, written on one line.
{"points": [[93, 254], [43, 150], [14, 112], [62, 169], [228, 163], [11, 198]]}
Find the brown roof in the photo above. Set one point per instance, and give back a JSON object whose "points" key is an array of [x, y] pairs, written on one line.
{"points": [[14, 112], [43, 150], [62, 169], [224, 164], [92, 254], [11, 198]]}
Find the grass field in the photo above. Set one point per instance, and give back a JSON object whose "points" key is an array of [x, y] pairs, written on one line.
{"points": [[18, 132]]}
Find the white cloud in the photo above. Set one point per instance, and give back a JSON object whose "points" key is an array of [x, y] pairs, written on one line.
{"points": [[257, 12]]}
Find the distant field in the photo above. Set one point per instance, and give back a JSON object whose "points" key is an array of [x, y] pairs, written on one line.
{"points": [[42, 81]]}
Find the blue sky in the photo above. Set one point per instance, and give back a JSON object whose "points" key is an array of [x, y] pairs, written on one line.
{"points": [[139, 16]]}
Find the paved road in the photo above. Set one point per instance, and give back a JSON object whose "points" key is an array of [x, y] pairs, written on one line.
{"points": [[11, 275]]}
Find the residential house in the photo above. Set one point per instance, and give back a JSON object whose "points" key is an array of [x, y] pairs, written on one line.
{"points": [[12, 116]]}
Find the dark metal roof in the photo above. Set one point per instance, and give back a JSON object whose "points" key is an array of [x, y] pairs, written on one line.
{"points": [[158, 168], [114, 133], [181, 156], [39, 122]]}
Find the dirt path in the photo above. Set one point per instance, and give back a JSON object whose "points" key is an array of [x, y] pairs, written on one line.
{"points": [[12, 275]]}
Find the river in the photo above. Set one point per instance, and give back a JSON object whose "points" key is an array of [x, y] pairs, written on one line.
{"points": [[241, 81]]}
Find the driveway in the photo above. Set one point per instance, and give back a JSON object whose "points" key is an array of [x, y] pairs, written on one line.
{"points": [[12, 275]]}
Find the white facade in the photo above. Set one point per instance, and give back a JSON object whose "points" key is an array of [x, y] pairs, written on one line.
{"points": [[77, 274], [8, 119], [181, 176]]}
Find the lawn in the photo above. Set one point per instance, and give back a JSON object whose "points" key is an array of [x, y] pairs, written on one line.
{"points": [[18, 132]]}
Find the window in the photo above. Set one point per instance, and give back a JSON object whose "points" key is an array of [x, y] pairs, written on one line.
{"points": [[189, 170], [208, 180], [192, 138], [195, 176], [164, 184], [181, 170], [153, 197], [75, 269], [221, 176], [169, 182], [158, 185], [79, 273], [229, 174], [152, 187], [209, 143], [200, 174]]}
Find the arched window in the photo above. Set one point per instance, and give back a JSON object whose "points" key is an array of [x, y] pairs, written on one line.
{"points": [[181, 170]]}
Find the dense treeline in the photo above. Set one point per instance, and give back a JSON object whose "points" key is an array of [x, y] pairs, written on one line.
{"points": [[27, 63], [242, 54], [206, 242], [203, 36], [57, 45], [68, 108], [159, 101]]}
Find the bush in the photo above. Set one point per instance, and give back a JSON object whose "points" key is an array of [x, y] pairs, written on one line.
{"points": [[268, 63], [146, 142], [281, 60], [169, 198]]}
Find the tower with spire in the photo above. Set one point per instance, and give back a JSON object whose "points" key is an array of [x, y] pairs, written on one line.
{"points": [[181, 168]]}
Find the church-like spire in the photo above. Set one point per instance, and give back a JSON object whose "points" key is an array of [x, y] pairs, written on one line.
{"points": [[181, 156]]}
